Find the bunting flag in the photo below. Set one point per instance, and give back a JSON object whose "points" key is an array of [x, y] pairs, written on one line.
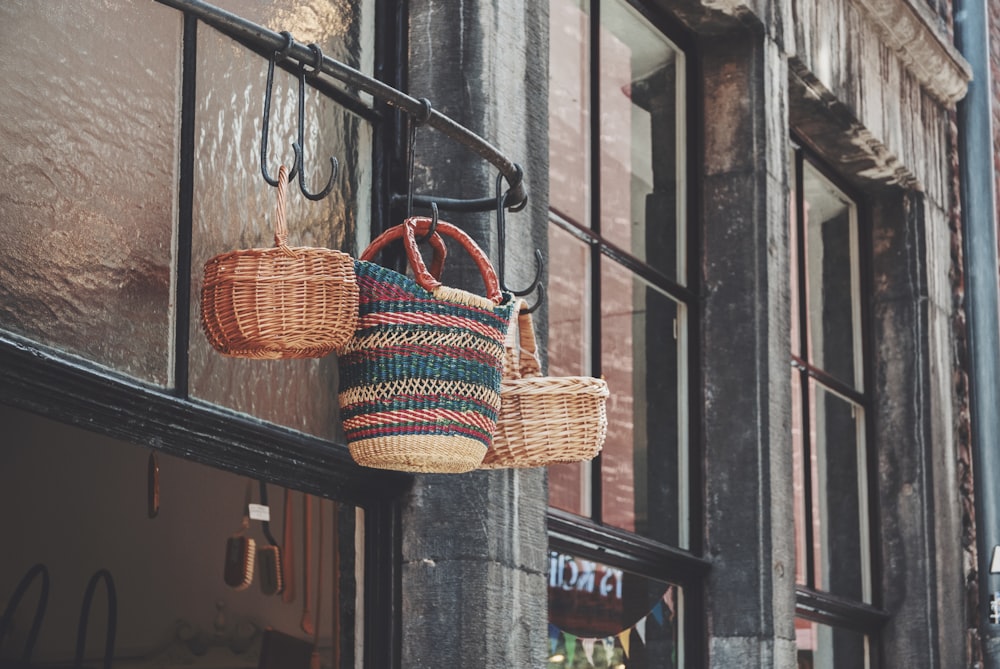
{"points": [[570, 648], [663, 613], [657, 612], [588, 648], [623, 637], [640, 627]]}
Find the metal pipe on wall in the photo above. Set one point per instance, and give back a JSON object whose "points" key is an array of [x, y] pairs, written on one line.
{"points": [[979, 224]]}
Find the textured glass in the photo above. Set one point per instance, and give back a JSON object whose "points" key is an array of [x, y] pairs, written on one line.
{"points": [[642, 128], [833, 292], [88, 122], [839, 496], [821, 646], [569, 110], [234, 209], [602, 616], [642, 463], [569, 351]]}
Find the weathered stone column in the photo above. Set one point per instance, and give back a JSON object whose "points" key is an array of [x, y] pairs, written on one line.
{"points": [[747, 438], [475, 545]]}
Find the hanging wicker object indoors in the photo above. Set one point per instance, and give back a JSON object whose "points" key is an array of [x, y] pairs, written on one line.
{"points": [[281, 302]]}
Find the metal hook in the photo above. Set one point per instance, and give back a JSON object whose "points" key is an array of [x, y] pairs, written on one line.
{"points": [[300, 153], [267, 112], [501, 250], [434, 224], [415, 120], [534, 307]]}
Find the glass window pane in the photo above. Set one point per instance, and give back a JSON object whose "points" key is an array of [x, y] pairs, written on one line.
{"points": [[825, 647], [168, 571], [602, 616], [642, 123], [839, 495], [643, 463], [801, 513], [89, 121], [569, 350], [793, 269], [569, 110], [833, 279], [234, 209]]}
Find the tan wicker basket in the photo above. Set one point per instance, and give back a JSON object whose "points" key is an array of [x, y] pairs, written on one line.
{"points": [[282, 302], [544, 420]]}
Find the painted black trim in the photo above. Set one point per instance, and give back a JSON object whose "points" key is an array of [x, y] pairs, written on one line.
{"points": [[618, 548], [837, 611], [73, 391], [185, 208]]}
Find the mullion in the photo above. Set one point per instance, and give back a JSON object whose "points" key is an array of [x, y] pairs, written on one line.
{"points": [[596, 475], [803, 316], [185, 208]]}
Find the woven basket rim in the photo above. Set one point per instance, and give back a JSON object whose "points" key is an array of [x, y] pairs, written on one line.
{"points": [[546, 385]]}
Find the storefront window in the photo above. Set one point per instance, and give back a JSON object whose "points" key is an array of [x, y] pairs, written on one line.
{"points": [[175, 604], [620, 307], [618, 261], [604, 617]]}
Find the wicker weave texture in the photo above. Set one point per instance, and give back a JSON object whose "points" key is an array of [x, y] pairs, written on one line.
{"points": [[544, 420], [420, 378], [282, 302]]}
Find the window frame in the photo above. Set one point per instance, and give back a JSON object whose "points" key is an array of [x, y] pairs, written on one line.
{"points": [[589, 537], [811, 603], [70, 389]]}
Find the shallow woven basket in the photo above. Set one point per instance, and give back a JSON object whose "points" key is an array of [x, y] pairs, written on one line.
{"points": [[282, 302], [544, 420]]}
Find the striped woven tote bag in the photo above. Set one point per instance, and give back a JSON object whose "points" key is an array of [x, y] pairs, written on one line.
{"points": [[420, 378]]}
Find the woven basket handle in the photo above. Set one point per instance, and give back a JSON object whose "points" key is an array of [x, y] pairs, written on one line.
{"points": [[280, 226], [527, 355], [412, 254], [408, 232]]}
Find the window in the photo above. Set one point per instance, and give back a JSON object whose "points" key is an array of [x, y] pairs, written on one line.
{"points": [[622, 307], [831, 410], [138, 130]]}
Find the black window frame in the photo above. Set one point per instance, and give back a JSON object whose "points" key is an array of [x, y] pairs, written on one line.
{"points": [[812, 603], [589, 537], [70, 389]]}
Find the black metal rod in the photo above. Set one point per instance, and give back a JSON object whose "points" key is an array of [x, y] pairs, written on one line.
{"points": [[975, 147], [267, 40]]}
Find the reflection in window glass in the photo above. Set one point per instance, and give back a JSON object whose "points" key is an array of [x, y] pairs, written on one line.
{"points": [[642, 461], [89, 123], [604, 617], [832, 271], [642, 121], [832, 521], [569, 111], [569, 352], [234, 209], [839, 510], [824, 647]]}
